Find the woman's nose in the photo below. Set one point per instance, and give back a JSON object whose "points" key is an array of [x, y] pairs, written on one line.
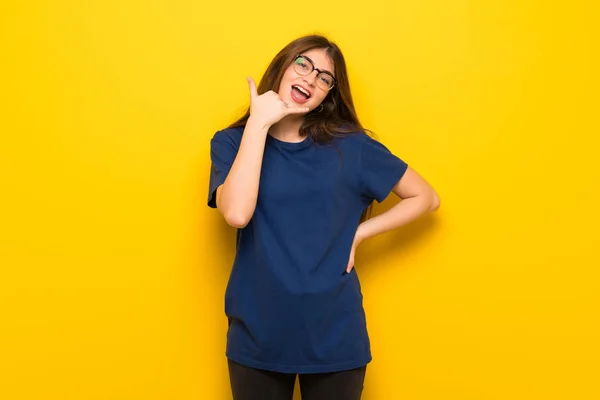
{"points": [[310, 78]]}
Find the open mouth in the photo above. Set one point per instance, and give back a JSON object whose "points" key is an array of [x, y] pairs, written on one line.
{"points": [[299, 94]]}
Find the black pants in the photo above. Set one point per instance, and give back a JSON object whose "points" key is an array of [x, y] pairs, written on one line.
{"points": [[256, 384]]}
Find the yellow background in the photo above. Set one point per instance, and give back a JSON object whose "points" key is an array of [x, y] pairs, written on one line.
{"points": [[114, 269]]}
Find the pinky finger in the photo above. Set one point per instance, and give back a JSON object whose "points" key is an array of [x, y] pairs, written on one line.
{"points": [[297, 110]]}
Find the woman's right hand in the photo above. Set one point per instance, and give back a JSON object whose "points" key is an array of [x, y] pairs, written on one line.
{"points": [[268, 109]]}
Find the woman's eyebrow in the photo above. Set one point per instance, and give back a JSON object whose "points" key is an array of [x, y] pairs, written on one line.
{"points": [[318, 69]]}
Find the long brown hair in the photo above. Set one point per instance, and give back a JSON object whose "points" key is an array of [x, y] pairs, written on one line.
{"points": [[338, 116]]}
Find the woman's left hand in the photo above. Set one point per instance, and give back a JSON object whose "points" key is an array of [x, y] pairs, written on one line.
{"points": [[355, 244]]}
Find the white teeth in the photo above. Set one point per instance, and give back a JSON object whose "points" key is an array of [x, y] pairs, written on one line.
{"points": [[300, 88]]}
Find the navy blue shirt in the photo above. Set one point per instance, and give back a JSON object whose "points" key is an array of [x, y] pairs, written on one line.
{"points": [[290, 304]]}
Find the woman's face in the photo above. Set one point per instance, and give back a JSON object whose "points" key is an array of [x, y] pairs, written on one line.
{"points": [[303, 90]]}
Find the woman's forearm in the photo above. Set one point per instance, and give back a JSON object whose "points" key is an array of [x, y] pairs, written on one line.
{"points": [[236, 199], [401, 214]]}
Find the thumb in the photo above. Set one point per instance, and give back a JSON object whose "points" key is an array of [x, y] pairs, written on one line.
{"points": [[349, 266], [252, 86]]}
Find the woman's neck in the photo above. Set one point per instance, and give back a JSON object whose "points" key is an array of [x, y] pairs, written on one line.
{"points": [[288, 129]]}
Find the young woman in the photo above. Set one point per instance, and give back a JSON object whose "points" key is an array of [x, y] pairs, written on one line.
{"points": [[296, 175]]}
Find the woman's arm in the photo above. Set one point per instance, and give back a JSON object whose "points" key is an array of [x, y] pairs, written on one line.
{"points": [[236, 197], [418, 198]]}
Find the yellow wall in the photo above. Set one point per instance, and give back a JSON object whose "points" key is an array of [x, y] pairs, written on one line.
{"points": [[114, 269]]}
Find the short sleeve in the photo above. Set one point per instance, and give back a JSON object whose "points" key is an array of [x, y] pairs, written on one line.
{"points": [[380, 170], [223, 150]]}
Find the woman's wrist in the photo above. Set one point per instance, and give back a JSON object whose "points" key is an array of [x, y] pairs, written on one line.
{"points": [[256, 124], [360, 234]]}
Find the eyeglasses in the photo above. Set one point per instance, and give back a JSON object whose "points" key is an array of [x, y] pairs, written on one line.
{"points": [[304, 66]]}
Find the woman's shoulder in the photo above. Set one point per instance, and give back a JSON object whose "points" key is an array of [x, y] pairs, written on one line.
{"points": [[229, 134], [354, 138]]}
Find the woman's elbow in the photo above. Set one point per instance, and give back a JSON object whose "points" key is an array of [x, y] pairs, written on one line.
{"points": [[233, 215], [237, 220], [435, 202]]}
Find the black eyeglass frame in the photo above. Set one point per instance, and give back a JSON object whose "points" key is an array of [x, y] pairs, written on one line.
{"points": [[316, 69]]}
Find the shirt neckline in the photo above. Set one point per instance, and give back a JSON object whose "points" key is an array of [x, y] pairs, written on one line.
{"points": [[290, 145]]}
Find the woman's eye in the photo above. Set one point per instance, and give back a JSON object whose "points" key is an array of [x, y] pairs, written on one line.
{"points": [[325, 79]]}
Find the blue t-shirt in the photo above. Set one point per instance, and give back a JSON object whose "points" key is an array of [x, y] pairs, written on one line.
{"points": [[290, 304]]}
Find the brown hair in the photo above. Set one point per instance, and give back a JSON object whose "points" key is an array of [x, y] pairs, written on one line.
{"points": [[338, 116]]}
